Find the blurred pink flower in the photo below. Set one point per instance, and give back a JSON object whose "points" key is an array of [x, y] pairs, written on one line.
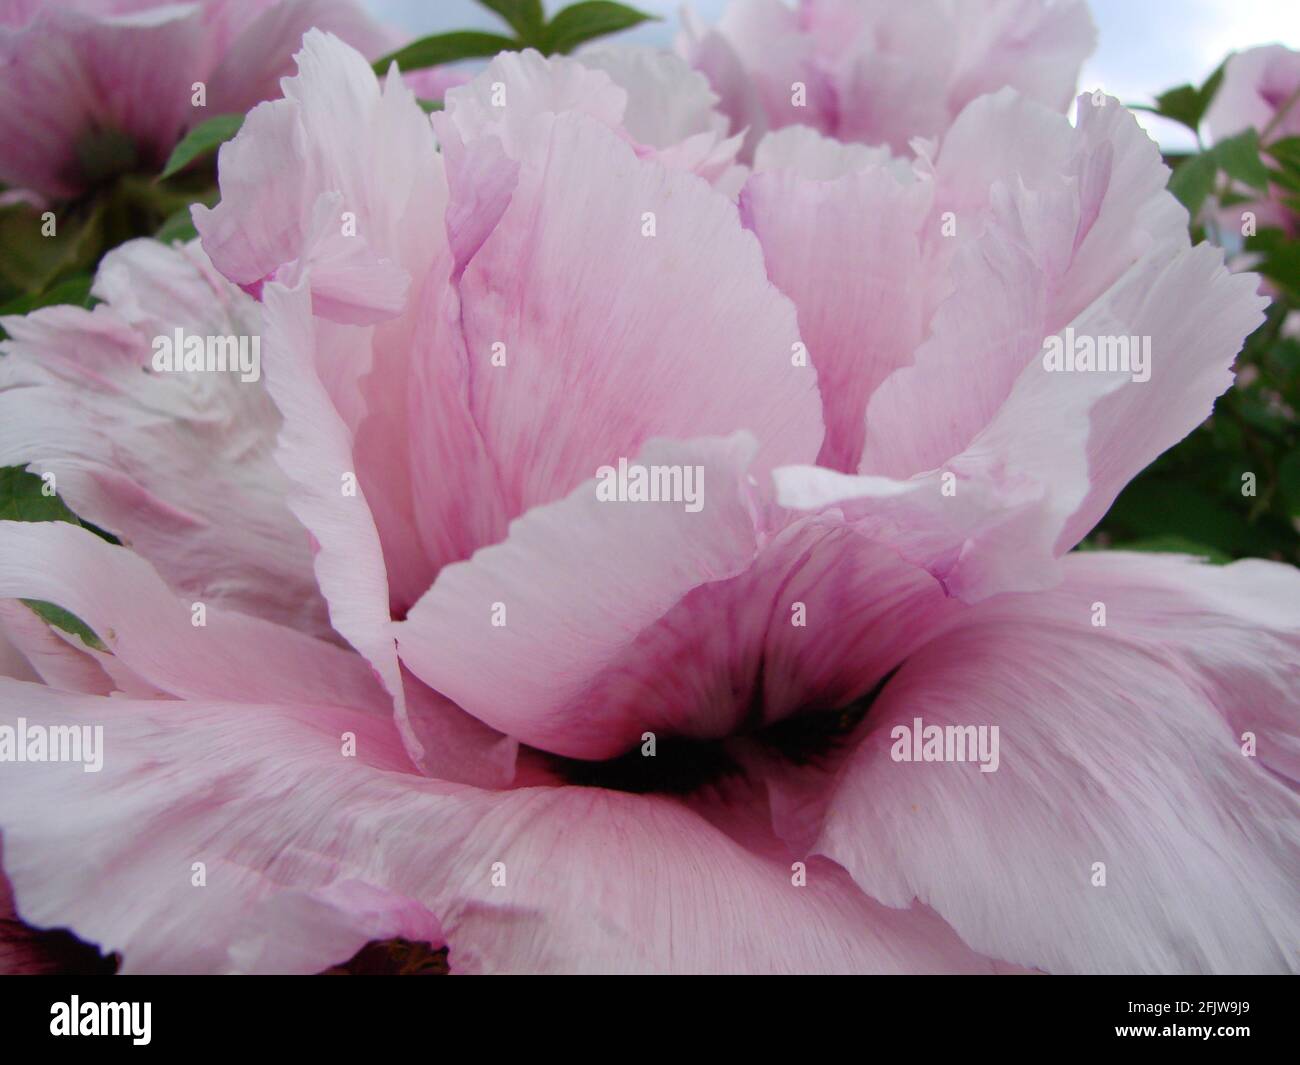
{"points": [[1259, 91], [456, 342], [881, 72], [90, 88]]}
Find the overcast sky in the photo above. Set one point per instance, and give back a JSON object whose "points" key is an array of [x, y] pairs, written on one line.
{"points": [[1145, 45]]}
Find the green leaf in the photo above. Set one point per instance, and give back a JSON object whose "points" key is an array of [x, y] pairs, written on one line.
{"points": [[430, 106], [1288, 483], [22, 498], [1211, 87], [1176, 545], [31, 262], [206, 137], [445, 48], [1285, 151], [179, 226], [1186, 103], [584, 21], [68, 622], [525, 17], [1174, 503], [74, 290], [1239, 158], [1182, 104], [1279, 258], [1193, 181]]}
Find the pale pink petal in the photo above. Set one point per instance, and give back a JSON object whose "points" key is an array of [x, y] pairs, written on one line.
{"points": [[1114, 748], [432, 83], [507, 98], [667, 101], [337, 180], [1237, 626], [256, 60], [767, 40], [1034, 47], [708, 51], [393, 190], [14, 662], [849, 253], [26, 951], [983, 464], [177, 464], [295, 177], [457, 503], [488, 634], [296, 836], [888, 67], [880, 72], [386, 447], [1046, 218], [814, 156], [328, 497], [672, 115], [998, 515], [598, 620], [57, 662], [126, 604], [570, 286]]}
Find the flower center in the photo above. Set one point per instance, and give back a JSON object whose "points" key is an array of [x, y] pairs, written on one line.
{"points": [[680, 766]]}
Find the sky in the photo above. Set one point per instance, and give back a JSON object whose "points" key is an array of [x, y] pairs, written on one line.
{"points": [[1144, 46]]}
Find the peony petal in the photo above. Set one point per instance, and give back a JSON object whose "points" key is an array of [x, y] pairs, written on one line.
{"points": [[300, 194], [586, 332], [1113, 749], [884, 73], [56, 662], [487, 635], [820, 158], [1044, 219], [596, 621], [315, 451], [708, 51], [177, 464], [667, 101], [308, 854], [262, 54], [860, 300], [25, 951], [517, 88], [125, 603], [1011, 461], [1035, 48]]}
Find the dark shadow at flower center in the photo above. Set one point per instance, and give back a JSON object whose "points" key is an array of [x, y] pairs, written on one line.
{"points": [[681, 766]]}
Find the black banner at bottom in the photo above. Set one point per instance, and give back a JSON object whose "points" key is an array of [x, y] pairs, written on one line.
{"points": [[870, 1014]]}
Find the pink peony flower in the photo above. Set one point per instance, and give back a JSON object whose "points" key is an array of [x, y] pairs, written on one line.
{"points": [[563, 729], [1258, 91], [90, 88], [882, 72]]}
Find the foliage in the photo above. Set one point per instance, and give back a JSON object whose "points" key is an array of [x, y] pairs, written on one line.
{"points": [[1231, 489]]}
